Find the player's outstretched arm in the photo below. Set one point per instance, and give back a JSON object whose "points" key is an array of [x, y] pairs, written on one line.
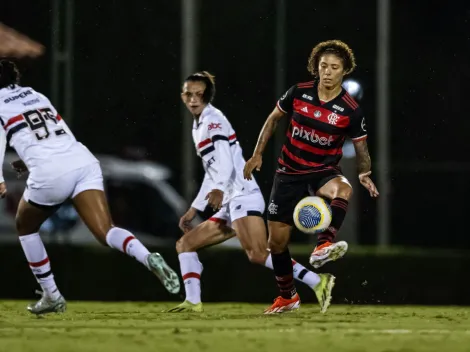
{"points": [[364, 167], [266, 132]]}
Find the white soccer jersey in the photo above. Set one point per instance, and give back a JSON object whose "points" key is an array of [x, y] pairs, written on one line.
{"points": [[32, 126], [222, 158]]}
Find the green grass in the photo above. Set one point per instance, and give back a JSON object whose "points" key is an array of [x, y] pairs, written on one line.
{"points": [[102, 327]]}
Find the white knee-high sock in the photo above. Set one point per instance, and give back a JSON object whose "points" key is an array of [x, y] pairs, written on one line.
{"points": [[39, 263], [125, 242], [301, 273], [191, 269]]}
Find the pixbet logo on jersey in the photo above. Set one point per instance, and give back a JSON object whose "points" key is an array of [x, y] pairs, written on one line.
{"points": [[214, 126], [311, 136]]}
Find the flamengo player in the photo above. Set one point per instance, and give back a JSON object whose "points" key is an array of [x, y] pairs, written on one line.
{"points": [[60, 168], [322, 114], [238, 202]]}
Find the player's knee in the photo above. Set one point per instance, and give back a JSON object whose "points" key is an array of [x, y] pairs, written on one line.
{"points": [[23, 227], [279, 235], [256, 257], [183, 246], [19, 223], [344, 192]]}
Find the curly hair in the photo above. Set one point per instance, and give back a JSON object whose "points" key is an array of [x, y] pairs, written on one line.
{"points": [[9, 74], [335, 47], [209, 80]]}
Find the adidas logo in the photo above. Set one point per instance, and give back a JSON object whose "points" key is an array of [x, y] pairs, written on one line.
{"points": [[304, 109]]}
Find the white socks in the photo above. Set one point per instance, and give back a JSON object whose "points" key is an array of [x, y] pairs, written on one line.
{"points": [[125, 242], [191, 269], [301, 273], [38, 260]]}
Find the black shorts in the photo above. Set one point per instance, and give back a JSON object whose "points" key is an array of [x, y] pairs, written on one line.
{"points": [[288, 190]]}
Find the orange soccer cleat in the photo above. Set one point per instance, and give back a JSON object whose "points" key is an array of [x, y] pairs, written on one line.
{"points": [[328, 252], [282, 305]]}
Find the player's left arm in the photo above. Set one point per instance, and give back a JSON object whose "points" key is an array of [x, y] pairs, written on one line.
{"points": [[362, 157], [358, 133]]}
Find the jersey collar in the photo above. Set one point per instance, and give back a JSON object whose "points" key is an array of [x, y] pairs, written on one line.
{"points": [[328, 103], [8, 90], [207, 111]]}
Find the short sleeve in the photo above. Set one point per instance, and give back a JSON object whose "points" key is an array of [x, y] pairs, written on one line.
{"points": [[285, 103], [357, 130]]}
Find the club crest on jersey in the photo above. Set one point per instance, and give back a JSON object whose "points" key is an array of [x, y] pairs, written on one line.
{"points": [[214, 126], [317, 114], [333, 118]]}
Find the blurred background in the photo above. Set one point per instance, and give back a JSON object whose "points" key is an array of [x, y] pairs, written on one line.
{"points": [[114, 71]]}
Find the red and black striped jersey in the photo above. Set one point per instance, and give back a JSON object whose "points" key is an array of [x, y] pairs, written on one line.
{"points": [[317, 130]]}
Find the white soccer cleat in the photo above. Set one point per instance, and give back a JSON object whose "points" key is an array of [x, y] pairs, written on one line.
{"points": [[47, 305], [328, 252], [165, 274]]}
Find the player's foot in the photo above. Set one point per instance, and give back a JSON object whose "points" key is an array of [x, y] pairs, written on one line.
{"points": [[47, 305], [323, 291], [187, 307], [328, 252], [165, 274], [282, 305]]}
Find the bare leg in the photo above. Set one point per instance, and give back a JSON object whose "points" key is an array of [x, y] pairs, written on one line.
{"points": [[92, 207], [251, 231]]}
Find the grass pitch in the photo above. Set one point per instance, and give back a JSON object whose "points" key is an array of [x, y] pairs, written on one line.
{"points": [[102, 327]]}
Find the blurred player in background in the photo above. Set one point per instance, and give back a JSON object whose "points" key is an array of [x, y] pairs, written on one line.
{"points": [[238, 202], [322, 115], [59, 168]]}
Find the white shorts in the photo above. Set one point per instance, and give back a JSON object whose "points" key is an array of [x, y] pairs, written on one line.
{"points": [[246, 205], [56, 191]]}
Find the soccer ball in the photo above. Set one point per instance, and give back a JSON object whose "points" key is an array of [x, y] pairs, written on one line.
{"points": [[312, 215]]}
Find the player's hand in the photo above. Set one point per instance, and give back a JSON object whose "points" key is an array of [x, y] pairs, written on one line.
{"points": [[368, 184], [255, 162], [215, 199], [185, 220], [3, 190], [20, 167]]}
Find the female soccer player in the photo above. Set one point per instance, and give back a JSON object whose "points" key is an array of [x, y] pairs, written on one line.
{"points": [[322, 114], [59, 168], [239, 202]]}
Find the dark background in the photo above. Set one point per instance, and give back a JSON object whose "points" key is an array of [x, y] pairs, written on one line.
{"points": [[127, 81]]}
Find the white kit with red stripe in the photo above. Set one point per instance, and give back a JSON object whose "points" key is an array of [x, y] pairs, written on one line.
{"points": [[39, 135], [222, 158]]}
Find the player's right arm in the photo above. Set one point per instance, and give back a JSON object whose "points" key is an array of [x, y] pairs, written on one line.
{"points": [[283, 107], [199, 203]]}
